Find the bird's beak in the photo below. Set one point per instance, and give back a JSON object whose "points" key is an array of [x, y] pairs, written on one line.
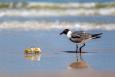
{"points": [[61, 33]]}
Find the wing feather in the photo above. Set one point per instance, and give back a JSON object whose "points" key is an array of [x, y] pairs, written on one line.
{"points": [[81, 34]]}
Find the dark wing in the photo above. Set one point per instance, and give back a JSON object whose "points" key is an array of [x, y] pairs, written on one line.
{"points": [[76, 34], [81, 34]]}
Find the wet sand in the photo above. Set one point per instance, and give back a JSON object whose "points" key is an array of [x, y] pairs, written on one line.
{"points": [[58, 57], [26, 26], [79, 73]]}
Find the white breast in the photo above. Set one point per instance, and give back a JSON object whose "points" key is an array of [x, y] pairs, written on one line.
{"points": [[69, 34]]}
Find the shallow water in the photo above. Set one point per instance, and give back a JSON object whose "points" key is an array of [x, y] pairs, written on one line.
{"points": [[81, 19], [55, 48]]}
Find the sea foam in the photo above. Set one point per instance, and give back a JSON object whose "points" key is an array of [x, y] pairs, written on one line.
{"points": [[34, 25], [57, 9]]}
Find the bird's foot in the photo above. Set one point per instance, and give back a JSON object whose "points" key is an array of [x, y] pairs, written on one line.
{"points": [[79, 51]]}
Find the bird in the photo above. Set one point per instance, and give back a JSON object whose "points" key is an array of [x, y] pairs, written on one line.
{"points": [[80, 37]]}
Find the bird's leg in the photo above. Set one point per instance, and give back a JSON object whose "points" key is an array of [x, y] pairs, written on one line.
{"points": [[81, 47], [81, 57], [76, 48], [77, 57]]}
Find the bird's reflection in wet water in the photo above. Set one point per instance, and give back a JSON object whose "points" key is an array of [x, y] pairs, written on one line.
{"points": [[32, 57], [79, 63]]}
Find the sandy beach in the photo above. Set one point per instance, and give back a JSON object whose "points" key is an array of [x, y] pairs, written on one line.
{"points": [[58, 58], [31, 44]]}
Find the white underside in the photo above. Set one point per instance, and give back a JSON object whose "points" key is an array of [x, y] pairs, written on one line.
{"points": [[69, 34]]}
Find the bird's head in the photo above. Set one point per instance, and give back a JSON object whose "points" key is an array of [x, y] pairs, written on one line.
{"points": [[65, 31]]}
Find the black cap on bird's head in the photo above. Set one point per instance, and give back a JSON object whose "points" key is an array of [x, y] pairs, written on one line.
{"points": [[65, 31]]}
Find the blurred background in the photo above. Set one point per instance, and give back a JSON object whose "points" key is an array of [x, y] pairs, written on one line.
{"points": [[57, 14], [37, 23]]}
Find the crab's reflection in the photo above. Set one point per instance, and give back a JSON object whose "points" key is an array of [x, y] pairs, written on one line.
{"points": [[79, 63], [33, 57]]}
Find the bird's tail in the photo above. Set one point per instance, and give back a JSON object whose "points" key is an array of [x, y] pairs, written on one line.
{"points": [[95, 36]]}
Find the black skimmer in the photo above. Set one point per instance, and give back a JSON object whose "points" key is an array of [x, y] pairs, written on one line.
{"points": [[80, 37]]}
